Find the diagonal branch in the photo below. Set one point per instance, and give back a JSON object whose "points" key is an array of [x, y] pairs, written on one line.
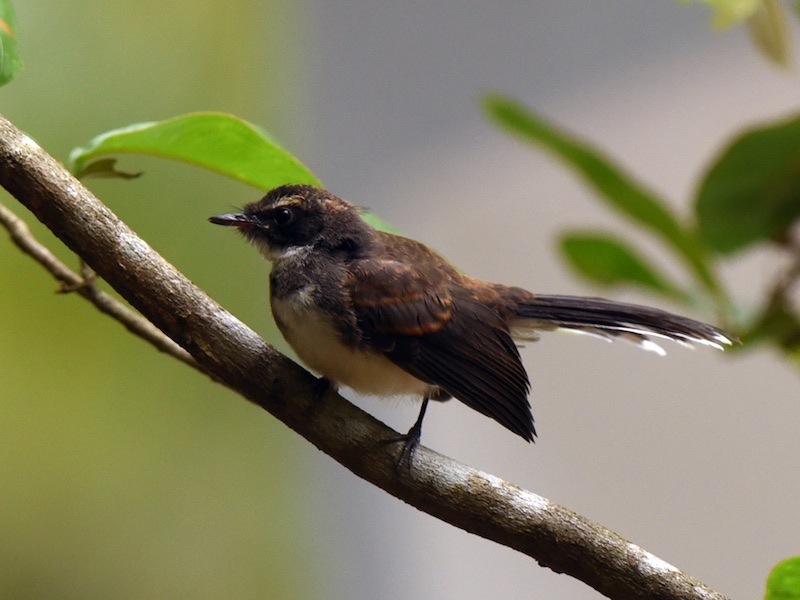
{"points": [[233, 354]]}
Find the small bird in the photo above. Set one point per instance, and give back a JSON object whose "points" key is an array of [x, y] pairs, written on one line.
{"points": [[386, 315]]}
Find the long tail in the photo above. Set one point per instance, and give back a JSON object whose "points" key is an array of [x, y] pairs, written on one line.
{"points": [[610, 320]]}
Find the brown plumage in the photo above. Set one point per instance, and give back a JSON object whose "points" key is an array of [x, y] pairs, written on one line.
{"points": [[387, 315]]}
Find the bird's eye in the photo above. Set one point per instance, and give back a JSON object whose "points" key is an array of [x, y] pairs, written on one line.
{"points": [[283, 216]]}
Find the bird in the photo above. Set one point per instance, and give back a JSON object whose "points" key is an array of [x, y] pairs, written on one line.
{"points": [[386, 315]]}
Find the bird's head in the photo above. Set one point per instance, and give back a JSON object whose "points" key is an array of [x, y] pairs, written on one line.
{"points": [[293, 217]]}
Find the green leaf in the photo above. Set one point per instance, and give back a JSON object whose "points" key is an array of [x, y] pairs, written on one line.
{"points": [[608, 261], [612, 185], [769, 30], [783, 582], [106, 168], [752, 193], [730, 12], [10, 62], [215, 141]]}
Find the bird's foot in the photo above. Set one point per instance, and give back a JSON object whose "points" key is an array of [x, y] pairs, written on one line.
{"points": [[410, 441]]}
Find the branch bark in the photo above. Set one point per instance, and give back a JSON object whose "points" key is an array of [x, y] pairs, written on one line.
{"points": [[231, 353]]}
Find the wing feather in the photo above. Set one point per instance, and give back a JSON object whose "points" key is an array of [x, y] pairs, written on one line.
{"points": [[440, 334]]}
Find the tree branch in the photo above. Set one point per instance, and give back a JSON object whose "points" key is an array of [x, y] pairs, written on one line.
{"points": [[233, 354]]}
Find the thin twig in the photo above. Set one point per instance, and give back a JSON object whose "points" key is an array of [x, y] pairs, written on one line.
{"points": [[85, 286]]}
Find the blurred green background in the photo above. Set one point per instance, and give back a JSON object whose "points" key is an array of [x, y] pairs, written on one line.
{"points": [[124, 474]]}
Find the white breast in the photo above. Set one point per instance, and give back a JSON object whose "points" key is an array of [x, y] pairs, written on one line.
{"points": [[314, 339]]}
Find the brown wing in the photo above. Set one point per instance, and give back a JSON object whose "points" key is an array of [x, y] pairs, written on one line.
{"points": [[393, 299], [435, 330]]}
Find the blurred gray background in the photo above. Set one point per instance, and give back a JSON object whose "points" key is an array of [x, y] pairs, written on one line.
{"points": [[692, 456]]}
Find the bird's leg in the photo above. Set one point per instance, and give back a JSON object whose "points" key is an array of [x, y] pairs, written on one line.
{"points": [[411, 439], [318, 390], [321, 387]]}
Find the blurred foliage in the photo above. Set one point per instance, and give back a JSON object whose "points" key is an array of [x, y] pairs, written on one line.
{"points": [[730, 12], [10, 62], [613, 186], [769, 30], [783, 582], [750, 194], [608, 261], [748, 198], [766, 21], [125, 475]]}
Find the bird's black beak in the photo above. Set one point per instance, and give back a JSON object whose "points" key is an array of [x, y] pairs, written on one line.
{"points": [[240, 220]]}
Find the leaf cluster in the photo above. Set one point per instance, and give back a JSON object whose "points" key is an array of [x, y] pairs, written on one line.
{"points": [[747, 199]]}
